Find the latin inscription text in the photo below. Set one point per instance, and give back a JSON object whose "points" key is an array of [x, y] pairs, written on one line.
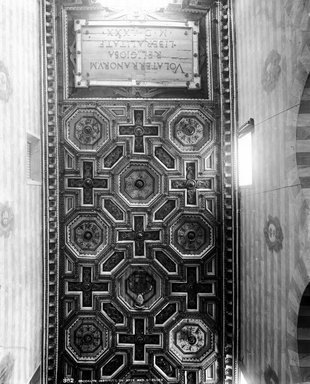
{"points": [[137, 53]]}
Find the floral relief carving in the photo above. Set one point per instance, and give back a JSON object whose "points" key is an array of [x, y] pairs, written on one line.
{"points": [[189, 130], [87, 130], [88, 235]]}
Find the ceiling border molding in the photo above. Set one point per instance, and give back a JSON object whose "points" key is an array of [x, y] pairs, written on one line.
{"points": [[223, 70], [229, 191], [50, 191]]}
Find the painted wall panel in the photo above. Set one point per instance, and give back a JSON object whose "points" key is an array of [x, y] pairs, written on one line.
{"points": [[20, 199], [273, 60]]}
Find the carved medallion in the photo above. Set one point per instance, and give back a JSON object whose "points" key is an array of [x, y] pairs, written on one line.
{"points": [[86, 129], [191, 235], [190, 130], [87, 339], [191, 341], [190, 338], [139, 184], [87, 235], [140, 287]]}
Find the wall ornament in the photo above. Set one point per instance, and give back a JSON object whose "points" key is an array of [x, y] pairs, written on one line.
{"points": [[271, 71], [6, 220], [273, 234], [5, 83]]}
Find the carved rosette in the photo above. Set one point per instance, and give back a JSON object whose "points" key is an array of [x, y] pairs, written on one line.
{"points": [[87, 235], [191, 341], [191, 235], [86, 129], [139, 184], [87, 339], [190, 130]]}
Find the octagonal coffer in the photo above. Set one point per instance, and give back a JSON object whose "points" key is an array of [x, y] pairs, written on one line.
{"points": [[139, 287], [191, 235], [87, 235], [139, 183], [87, 339], [190, 130], [87, 129], [191, 341]]}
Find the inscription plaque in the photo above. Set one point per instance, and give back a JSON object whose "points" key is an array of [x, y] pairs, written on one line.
{"points": [[138, 53]]}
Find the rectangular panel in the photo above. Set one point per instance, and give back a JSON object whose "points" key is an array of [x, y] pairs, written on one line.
{"points": [[136, 268], [120, 53], [139, 258]]}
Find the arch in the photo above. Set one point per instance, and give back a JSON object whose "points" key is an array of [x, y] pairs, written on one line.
{"points": [[303, 335], [303, 140], [299, 282]]}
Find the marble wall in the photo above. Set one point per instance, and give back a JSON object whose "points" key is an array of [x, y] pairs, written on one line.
{"points": [[20, 197], [273, 62]]}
